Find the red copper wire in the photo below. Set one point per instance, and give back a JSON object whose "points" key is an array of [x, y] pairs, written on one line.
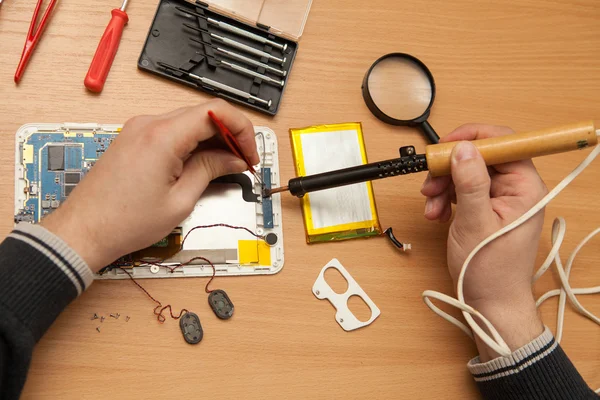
{"points": [[159, 313], [256, 235]]}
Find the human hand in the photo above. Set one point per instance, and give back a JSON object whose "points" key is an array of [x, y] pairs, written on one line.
{"points": [[498, 282], [148, 181]]}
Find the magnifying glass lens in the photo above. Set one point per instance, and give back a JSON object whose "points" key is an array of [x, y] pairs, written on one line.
{"points": [[400, 88]]}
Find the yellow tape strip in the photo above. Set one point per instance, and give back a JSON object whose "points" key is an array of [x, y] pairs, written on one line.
{"points": [[254, 252]]}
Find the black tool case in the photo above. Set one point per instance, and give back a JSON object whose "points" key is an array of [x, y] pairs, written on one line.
{"points": [[209, 48]]}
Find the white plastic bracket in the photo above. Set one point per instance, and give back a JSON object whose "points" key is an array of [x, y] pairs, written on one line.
{"points": [[344, 316]]}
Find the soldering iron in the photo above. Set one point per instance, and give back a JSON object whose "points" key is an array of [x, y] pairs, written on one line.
{"points": [[436, 160]]}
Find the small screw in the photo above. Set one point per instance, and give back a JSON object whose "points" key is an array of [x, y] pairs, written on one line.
{"points": [[98, 329], [341, 320], [317, 292], [127, 319], [95, 316], [114, 316], [102, 318]]}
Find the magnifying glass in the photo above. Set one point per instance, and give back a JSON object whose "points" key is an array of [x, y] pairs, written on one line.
{"points": [[399, 90]]}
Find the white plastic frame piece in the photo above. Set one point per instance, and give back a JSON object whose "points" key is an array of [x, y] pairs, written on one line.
{"points": [[217, 205], [344, 316]]}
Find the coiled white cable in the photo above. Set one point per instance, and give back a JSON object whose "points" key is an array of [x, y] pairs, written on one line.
{"points": [[495, 341]]}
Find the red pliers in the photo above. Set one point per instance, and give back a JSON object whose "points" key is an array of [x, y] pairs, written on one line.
{"points": [[33, 38]]}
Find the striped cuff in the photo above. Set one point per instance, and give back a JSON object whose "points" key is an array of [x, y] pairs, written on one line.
{"points": [[538, 370], [520, 359], [57, 251], [39, 276]]}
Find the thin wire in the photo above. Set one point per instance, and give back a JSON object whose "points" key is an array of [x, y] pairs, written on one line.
{"points": [[173, 267], [159, 314], [496, 342], [256, 235]]}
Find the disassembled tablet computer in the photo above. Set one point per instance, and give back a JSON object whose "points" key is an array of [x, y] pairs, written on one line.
{"points": [[232, 225]]}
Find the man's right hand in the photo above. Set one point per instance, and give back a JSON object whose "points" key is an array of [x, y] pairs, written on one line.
{"points": [[498, 281], [149, 181]]}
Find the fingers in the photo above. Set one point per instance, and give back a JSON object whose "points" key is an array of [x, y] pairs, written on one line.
{"points": [[204, 166], [482, 131], [434, 186], [476, 131], [471, 183], [192, 125], [438, 207]]}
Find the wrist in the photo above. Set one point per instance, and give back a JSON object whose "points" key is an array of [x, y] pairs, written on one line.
{"points": [[516, 320], [78, 237]]}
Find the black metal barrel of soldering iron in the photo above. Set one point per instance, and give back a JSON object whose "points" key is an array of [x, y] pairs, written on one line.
{"points": [[361, 173]]}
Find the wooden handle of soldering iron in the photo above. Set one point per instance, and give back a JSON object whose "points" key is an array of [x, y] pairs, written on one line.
{"points": [[519, 146]]}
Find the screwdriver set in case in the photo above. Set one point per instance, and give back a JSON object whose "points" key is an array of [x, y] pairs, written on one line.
{"points": [[229, 53]]}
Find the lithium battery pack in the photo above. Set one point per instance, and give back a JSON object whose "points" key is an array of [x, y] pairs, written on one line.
{"points": [[341, 213], [231, 225]]}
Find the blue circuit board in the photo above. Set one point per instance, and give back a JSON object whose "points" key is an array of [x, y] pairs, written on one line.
{"points": [[56, 165], [267, 202]]}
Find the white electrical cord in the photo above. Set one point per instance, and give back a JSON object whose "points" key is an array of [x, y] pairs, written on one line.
{"points": [[495, 341]]}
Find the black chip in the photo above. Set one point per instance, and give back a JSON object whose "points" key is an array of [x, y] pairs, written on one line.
{"points": [[271, 239], [69, 189], [56, 158], [72, 177], [191, 328]]}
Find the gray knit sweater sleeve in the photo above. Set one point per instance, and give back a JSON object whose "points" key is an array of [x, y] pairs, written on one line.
{"points": [[39, 276], [538, 370]]}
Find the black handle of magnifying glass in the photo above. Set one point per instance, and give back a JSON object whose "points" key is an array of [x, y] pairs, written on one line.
{"points": [[429, 132]]}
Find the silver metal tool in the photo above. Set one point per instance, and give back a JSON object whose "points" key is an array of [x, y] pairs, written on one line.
{"points": [[248, 72], [219, 85], [248, 49], [237, 45], [249, 35], [234, 29], [251, 61]]}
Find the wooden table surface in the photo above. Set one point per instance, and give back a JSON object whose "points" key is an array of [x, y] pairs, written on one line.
{"points": [[523, 63]]}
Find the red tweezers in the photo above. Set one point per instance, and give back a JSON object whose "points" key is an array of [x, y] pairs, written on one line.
{"points": [[33, 38], [231, 141]]}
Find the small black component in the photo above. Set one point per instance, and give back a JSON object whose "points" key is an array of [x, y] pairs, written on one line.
{"points": [[390, 235], [191, 328], [72, 177], [220, 304], [56, 158], [407, 151], [69, 189], [22, 217], [271, 239]]}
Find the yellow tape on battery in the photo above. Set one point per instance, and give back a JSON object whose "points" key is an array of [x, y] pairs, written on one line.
{"points": [[341, 231]]}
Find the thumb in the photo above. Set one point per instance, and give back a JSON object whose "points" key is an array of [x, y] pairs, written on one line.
{"points": [[471, 181], [204, 166]]}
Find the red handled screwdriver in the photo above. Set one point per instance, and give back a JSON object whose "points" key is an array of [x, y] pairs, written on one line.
{"points": [[107, 49]]}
